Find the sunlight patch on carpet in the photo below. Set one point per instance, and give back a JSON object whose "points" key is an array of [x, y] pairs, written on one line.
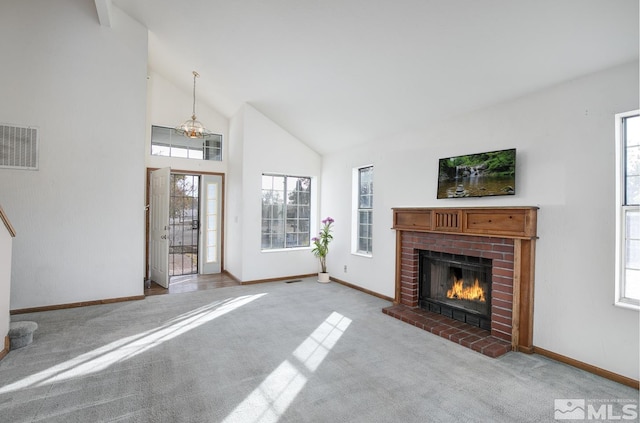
{"points": [[269, 401], [123, 349]]}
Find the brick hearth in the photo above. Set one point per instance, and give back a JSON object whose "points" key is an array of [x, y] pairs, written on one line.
{"points": [[477, 339], [506, 236]]}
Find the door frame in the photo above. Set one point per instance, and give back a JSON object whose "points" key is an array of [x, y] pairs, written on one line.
{"points": [[222, 212]]}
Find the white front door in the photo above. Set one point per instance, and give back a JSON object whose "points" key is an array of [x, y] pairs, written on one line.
{"points": [[159, 227], [210, 227]]}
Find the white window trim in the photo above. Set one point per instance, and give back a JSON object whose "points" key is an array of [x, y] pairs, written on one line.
{"points": [[186, 145], [355, 198], [619, 300], [287, 250], [313, 214]]}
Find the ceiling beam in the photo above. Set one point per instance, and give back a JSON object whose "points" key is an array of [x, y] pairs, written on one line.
{"points": [[103, 7]]}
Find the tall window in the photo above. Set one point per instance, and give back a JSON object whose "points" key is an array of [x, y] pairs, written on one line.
{"points": [[166, 142], [365, 211], [286, 206], [628, 214]]}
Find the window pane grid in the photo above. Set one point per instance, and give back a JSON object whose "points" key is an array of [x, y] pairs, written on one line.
{"points": [[629, 261], [631, 286], [365, 210], [165, 142], [211, 229], [631, 133], [285, 211]]}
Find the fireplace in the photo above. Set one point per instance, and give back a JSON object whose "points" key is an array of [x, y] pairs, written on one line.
{"points": [[456, 286], [441, 252]]}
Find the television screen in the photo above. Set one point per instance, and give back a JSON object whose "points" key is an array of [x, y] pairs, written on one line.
{"points": [[478, 175]]}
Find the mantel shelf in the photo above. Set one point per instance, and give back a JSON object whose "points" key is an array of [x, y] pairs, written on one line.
{"points": [[504, 222]]}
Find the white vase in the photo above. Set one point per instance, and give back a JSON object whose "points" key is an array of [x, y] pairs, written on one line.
{"points": [[323, 277]]}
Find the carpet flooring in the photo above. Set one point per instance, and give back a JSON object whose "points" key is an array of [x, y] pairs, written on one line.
{"points": [[274, 352]]}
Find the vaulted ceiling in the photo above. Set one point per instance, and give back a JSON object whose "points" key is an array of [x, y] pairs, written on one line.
{"points": [[337, 73]]}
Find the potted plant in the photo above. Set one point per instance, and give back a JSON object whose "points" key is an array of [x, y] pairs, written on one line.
{"points": [[321, 248]]}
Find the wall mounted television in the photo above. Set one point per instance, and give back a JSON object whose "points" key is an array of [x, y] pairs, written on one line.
{"points": [[478, 175]]}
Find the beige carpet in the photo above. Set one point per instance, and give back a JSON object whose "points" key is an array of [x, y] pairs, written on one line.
{"points": [[273, 352]]}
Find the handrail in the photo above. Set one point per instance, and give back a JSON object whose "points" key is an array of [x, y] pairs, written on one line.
{"points": [[7, 223]]}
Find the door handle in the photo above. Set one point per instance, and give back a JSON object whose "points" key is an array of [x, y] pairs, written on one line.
{"points": [[163, 237]]}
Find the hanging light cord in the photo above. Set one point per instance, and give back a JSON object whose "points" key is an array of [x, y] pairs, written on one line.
{"points": [[191, 128], [195, 75]]}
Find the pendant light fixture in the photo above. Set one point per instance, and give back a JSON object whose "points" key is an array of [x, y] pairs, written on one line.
{"points": [[192, 128]]}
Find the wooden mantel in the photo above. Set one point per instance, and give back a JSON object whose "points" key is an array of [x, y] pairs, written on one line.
{"points": [[517, 223], [504, 222]]}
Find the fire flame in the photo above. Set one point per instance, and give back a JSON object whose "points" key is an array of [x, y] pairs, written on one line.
{"points": [[460, 292]]}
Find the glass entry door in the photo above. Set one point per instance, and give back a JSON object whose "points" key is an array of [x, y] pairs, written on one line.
{"points": [[184, 224]]}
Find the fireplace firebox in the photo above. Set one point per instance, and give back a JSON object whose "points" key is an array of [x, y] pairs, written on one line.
{"points": [[457, 286]]}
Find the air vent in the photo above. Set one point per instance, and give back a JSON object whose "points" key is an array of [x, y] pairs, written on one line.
{"points": [[18, 147]]}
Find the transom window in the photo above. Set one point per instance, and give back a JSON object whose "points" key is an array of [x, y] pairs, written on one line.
{"points": [[365, 211], [166, 142], [286, 209], [628, 212]]}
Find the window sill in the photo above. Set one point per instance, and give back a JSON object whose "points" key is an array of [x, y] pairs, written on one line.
{"points": [[362, 255], [626, 304], [286, 250]]}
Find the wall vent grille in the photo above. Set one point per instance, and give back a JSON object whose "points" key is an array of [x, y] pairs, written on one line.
{"points": [[447, 221], [18, 147]]}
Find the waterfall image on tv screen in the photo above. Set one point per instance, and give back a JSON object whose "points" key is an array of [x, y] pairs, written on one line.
{"points": [[478, 175]]}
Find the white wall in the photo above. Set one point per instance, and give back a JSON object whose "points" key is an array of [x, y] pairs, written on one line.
{"points": [[265, 148], [234, 233], [376, 273], [565, 165], [80, 216], [6, 240]]}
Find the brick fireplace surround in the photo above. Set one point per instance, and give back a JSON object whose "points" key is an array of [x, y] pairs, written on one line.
{"points": [[505, 235]]}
